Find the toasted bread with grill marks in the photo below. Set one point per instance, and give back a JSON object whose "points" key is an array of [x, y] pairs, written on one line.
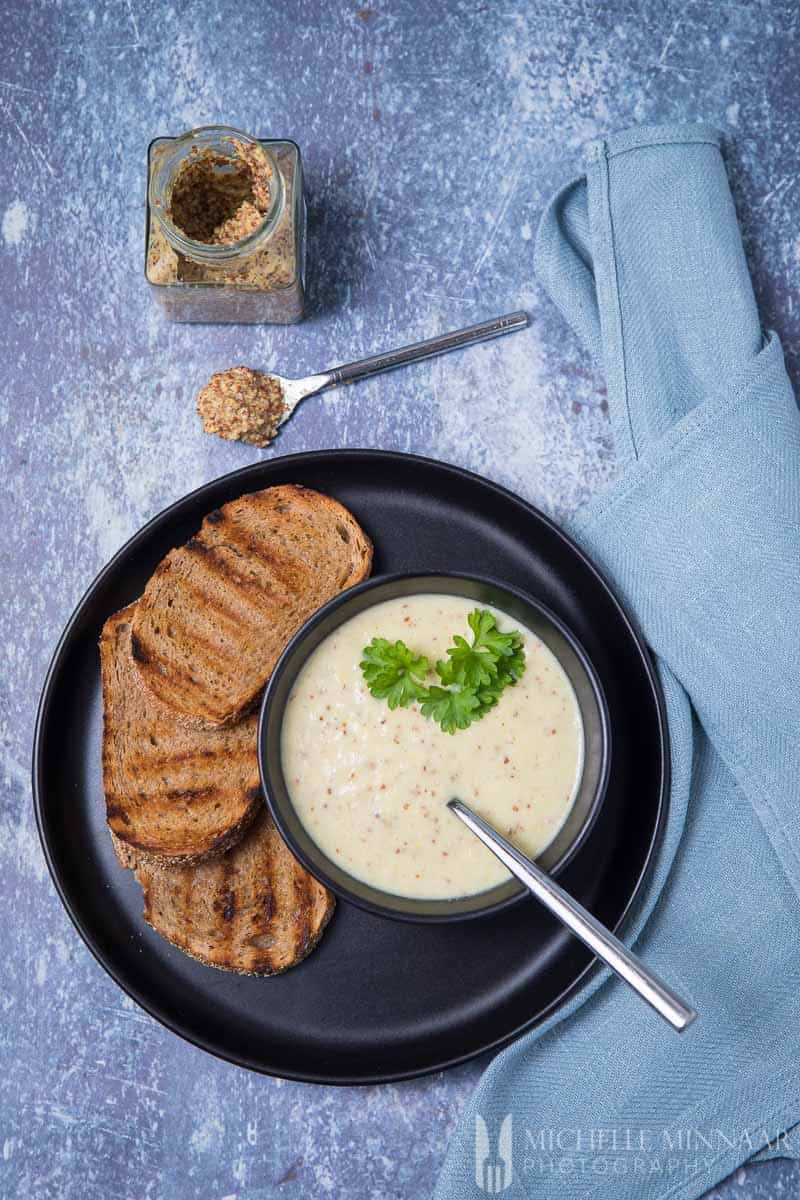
{"points": [[174, 793], [217, 612], [254, 911]]}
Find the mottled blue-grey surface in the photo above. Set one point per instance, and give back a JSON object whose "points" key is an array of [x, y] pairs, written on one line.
{"points": [[432, 133]]}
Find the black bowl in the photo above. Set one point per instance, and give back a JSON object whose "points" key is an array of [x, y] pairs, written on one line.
{"points": [[536, 617]]}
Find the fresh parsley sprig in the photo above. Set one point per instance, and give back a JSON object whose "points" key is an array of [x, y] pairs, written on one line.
{"points": [[393, 673], [471, 679], [453, 708]]}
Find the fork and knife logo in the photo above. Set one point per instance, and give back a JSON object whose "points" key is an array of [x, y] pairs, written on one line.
{"points": [[494, 1172]]}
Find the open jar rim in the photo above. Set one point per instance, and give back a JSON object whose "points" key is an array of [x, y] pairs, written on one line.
{"points": [[166, 164]]}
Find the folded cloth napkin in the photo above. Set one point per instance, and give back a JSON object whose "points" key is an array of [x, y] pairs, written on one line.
{"points": [[701, 536]]}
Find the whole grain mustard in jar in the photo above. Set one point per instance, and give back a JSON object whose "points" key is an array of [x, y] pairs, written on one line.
{"points": [[225, 234]]}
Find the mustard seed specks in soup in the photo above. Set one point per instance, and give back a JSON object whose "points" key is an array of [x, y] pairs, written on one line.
{"points": [[371, 784]]}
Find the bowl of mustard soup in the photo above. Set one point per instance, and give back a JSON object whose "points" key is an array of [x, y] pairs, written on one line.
{"points": [[358, 788]]}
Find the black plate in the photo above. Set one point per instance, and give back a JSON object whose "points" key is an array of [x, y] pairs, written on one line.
{"points": [[378, 1000]]}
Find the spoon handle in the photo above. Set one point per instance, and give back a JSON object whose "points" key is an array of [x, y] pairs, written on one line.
{"points": [[586, 927], [437, 345]]}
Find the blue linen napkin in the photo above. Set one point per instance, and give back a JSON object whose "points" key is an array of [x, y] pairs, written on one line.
{"points": [[701, 537]]}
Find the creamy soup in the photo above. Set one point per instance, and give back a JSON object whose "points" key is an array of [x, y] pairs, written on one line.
{"points": [[371, 784]]}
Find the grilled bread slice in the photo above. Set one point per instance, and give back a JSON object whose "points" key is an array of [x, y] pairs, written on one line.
{"points": [[172, 792], [255, 910], [217, 612]]}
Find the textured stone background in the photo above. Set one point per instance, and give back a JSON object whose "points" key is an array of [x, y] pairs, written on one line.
{"points": [[432, 132]]}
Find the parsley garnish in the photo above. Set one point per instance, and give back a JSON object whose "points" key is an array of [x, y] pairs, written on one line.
{"points": [[453, 708], [393, 673], [471, 679]]}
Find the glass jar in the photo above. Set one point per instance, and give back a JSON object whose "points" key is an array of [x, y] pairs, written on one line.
{"points": [[260, 277]]}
